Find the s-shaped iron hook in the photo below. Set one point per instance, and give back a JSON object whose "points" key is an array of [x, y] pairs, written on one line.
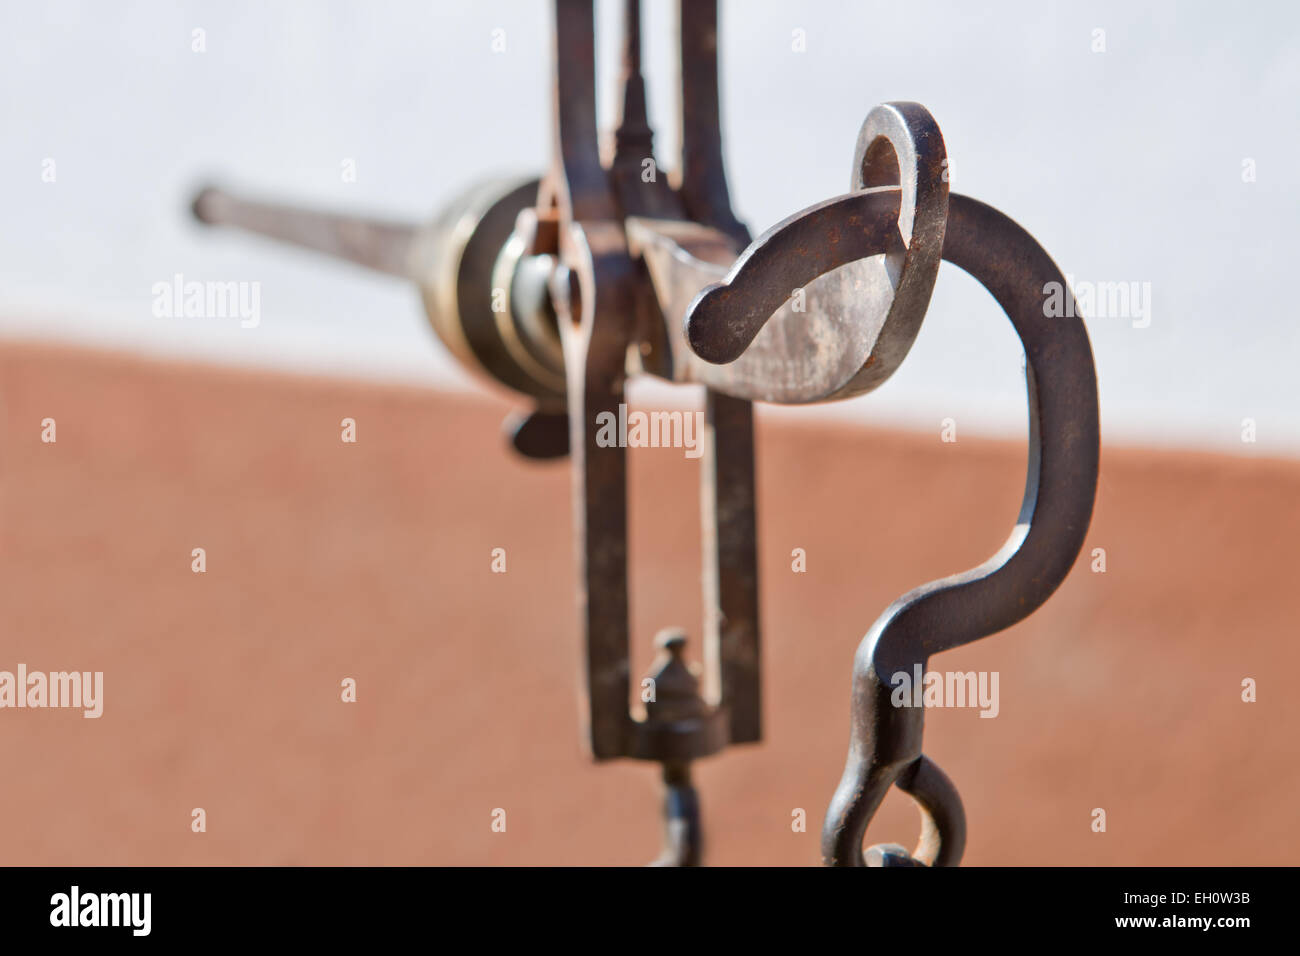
{"points": [[885, 741]]}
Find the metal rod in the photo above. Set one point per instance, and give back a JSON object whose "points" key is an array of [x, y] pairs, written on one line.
{"points": [[382, 246]]}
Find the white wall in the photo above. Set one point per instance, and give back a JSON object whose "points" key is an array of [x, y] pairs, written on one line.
{"points": [[1126, 164]]}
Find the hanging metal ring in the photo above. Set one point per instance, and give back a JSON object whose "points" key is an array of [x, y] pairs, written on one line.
{"points": [[943, 820]]}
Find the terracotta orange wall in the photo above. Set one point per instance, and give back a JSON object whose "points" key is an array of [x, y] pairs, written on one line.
{"points": [[327, 560]]}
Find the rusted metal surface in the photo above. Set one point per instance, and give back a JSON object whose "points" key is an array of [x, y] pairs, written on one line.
{"points": [[701, 177], [598, 337], [885, 747], [727, 317], [885, 741], [561, 288], [811, 311]]}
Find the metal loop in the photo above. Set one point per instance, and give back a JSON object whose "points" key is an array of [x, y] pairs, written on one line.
{"points": [[943, 820], [899, 144]]}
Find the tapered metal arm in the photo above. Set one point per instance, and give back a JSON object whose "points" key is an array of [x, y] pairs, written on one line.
{"points": [[381, 246]]}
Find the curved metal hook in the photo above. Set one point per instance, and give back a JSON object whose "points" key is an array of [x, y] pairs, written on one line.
{"points": [[1059, 491], [885, 744], [851, 339]]}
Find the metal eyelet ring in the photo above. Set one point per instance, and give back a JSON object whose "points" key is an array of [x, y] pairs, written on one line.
{"points": [[943, 820]]}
